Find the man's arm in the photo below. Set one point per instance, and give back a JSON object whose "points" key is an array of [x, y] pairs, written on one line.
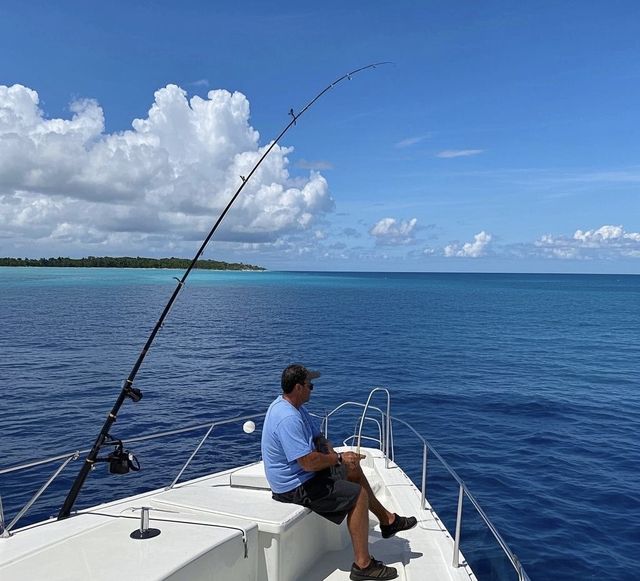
{"points": [[316, 461]]}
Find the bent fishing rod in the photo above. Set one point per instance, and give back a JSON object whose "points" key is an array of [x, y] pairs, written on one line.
{"points": [[118, 459]]}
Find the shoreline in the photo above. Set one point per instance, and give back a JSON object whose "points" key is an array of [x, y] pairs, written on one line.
{"points": [[171, 263]]}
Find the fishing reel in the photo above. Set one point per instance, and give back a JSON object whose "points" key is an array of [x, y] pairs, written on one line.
{"points": [[120, 461]]}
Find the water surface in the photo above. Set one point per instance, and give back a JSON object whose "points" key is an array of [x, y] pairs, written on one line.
{"points": [[527, 384]]}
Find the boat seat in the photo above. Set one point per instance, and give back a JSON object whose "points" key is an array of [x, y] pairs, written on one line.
{"points": [[251, 476], [290, 537], [250, 504]]}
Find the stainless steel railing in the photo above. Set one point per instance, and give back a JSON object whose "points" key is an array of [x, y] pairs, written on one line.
{"points": [[386, 445], [5, 531]]}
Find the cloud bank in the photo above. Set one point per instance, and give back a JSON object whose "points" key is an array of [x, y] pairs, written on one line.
{"points": [[68, 182]]}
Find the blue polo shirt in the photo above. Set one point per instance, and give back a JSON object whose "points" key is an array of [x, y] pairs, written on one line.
{"points": [[287, 435]]}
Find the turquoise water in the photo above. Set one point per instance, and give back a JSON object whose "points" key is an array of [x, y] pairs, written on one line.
{"points": [[527, 384]]}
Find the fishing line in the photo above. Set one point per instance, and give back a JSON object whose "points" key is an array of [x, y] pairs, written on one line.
{"points": [[128, 390]]}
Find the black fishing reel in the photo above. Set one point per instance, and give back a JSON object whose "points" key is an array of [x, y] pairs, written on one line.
{"points": [[120, 461]]}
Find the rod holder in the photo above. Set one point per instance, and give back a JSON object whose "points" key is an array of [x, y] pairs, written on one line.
{"points": [[144, 532]]}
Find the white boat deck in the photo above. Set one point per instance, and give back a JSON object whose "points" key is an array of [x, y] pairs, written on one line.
{"points": [[227, 527]]}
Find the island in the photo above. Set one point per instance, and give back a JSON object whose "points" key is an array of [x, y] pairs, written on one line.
{"points": [[127, 262]]}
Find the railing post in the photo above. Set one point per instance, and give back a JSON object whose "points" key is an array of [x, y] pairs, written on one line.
{"points": [[456, 546], [204, 439], [386, 442], [388, 450], [326, 425], [387, 434], [424, 476], [3, 532], [37, 495]]}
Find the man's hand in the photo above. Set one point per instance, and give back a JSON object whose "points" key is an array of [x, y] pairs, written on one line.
{"points": [[352, 459], [315, 461]]}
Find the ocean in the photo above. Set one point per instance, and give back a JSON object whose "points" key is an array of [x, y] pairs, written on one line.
{"points": [[526, 384]]}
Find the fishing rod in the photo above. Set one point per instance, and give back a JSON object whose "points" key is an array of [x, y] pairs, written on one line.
{"points": [[120, 458]]}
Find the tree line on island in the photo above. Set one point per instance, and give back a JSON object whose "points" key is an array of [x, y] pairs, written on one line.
{"points": [[127, 262]]}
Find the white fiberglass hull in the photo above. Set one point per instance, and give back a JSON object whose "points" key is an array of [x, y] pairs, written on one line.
{"points": [[225, 527]]}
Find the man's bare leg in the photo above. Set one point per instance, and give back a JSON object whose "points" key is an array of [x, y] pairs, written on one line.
{"points": [[355, 474], [358, 525]]}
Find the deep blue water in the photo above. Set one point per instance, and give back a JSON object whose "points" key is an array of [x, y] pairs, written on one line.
{"points": [[526, 384]]}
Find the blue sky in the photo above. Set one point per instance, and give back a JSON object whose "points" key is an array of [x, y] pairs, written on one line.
{"points": [[502, 138]]}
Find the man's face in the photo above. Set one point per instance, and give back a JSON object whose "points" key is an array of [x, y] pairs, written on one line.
{"points": [[307, 387]]}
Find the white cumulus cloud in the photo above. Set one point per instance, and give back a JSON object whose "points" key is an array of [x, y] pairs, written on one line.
{"points": [[390, 231], [608, 241], [474, 249], [68, 181]]}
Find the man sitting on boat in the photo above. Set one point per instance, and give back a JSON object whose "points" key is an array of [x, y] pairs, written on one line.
{"points": [[303, 468]]}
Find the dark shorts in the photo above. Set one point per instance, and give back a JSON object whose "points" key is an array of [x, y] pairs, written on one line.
{"points": [[328, 493]]}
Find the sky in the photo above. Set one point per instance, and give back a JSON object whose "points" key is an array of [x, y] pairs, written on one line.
{"points": [[503, 137]]}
